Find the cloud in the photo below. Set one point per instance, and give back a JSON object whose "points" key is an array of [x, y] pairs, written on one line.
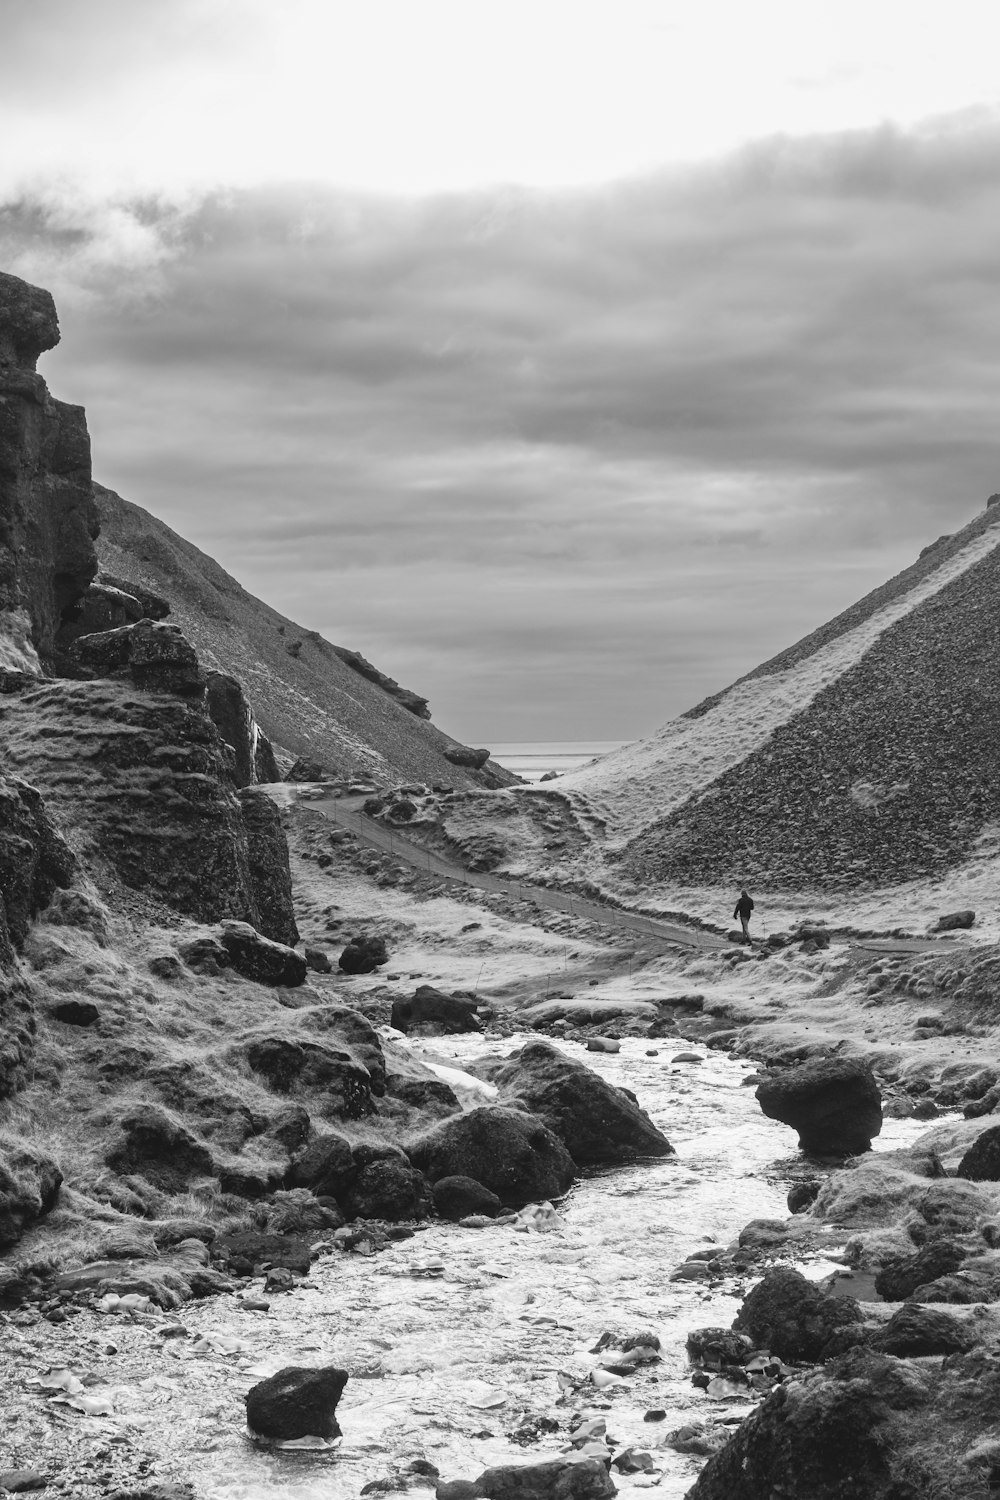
{"points": [[565, 461]]}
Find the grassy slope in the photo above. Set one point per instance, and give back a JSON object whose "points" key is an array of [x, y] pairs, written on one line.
{"points": [[310, 703]]}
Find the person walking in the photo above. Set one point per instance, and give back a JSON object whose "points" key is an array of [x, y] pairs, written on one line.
{"points": [[744, 907]]}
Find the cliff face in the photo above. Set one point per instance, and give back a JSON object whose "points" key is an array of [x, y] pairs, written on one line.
{"points": [[48, 519]]}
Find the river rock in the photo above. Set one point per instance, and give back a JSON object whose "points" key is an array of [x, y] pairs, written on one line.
{"points": [[898, 1280], [832, 1102], [981, 1163], [920, 1330], [788, 1315], [260, 959], [954, 921], [511, 1153], [296, 1403], [29, 1187], [431, 1012], [363, 955], [326, 1166], [457, 1197], [386, 1187], [596, 1122], [559, 1479]]}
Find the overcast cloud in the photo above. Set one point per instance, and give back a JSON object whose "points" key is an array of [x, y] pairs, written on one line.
{"points": [[563, 460]]}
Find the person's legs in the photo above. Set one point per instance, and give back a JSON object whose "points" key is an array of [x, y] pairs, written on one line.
{"points": [[746, 928]]}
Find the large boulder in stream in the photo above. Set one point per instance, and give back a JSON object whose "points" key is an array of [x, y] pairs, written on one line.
{"points": [[298, 1402], [596, 1122], [792, 1318], [433, 1013], [512, 1153], [833, 1103]]}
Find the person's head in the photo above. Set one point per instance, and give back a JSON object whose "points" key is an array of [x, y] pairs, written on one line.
{"points": [[744, 891]]}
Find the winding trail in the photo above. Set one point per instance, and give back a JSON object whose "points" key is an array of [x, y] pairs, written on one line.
{"points": [[346, 813]]}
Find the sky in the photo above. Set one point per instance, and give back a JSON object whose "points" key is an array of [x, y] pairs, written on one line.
{"points": [[566, 357]]}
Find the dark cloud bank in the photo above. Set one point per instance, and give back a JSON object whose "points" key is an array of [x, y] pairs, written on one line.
{"points": [[564, 462]]}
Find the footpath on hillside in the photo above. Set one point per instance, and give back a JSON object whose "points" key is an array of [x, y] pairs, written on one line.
{"points": [[346, 813]]}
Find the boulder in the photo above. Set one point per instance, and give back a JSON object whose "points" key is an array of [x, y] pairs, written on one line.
{"points": [[344, 1083], [291, 1128], [464, 755], [231, 714], [363, 955], [840, 1433], [981, 1163], [29, 1187], [898, 1280], [152, 1144], [955, 921], [386, 1187], [557, 1479], [457, 1197], [326, 1167], [296, 1403], [318, 960], [511, 1153], [788, 1315], [258, 958], [152, 605], [833, 1103], [156, 657], [310, 770], [205, 955], [433, 1013], [596, 1122], [919, 1330], [75, 1012]]}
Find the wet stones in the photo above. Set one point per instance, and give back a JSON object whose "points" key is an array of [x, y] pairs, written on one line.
{"points": [[457, 1197], [511, 1153], [386, 1187], [833, 1103], [596, 1122], [560, 1479], [898, 1280], [431, 1012], [296, 1403]]}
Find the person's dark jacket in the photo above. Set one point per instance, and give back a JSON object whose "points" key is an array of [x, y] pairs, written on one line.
{"points": [[744, 907]]}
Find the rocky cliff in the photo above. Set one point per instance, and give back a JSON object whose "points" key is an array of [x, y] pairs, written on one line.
{"points": [[48, 519], [316, 700]]}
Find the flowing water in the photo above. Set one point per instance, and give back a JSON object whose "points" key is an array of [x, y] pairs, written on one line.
{"points": [[444, 1366]]}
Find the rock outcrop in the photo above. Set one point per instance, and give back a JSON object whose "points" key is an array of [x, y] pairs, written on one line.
{"points": [[431, 1012], [29, 1187], [792, 1318], [596, 1122], [832, 1102], [34, 861], [48, 519]]}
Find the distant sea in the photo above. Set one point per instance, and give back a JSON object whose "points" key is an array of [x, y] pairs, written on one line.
{"points": [[533, 758]]}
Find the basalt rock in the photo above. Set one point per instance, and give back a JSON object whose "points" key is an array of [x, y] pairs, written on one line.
{"points": [[788, 1315], [433, 1013], [340, 1084], [253, 756], [34, 862], [296, 1403], [596, 1122], [386, 1187], [981, 1163], [917, 1330], [900, 1279], [152, 605], [409, 700], [456, 1197], [153, 1145], [511, 1153], [29, 1187], [48, 520], [832, 1102], [557, 1479], [155, 656], [267, 861], [363, 955], [326, 1166], [464, 755]]}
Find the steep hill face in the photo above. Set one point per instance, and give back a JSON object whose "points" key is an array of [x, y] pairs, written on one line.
{"points": [[311, 698], [865, 754]]}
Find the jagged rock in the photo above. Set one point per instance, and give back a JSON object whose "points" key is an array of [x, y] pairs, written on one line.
{"points": [[832, 1102], [411, 701], [205, 955], [596, 1122], [152, 605], [918, 1330], [99, 609], [788, 1315], [349, 1028], [29, 1186], [232, 717], [511, 1153], [840, 1433], [557, 1479], [326, 1166], [954, 921], [156, 657], [457, 1197], [296, 1403], [291, 1128], [433, 1013], [981, 1163], [318, 960], [363, 955], [267, 858], [34, 861], [157, 1147], [464, 755], [344, 1084], [265, 763], [900, 1278], [310, 770], [48, 520], [386, 1187], [257, 957]]}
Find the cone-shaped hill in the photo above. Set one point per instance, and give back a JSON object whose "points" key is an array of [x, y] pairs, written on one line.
{"points": [[867, 753], [311, 698]]}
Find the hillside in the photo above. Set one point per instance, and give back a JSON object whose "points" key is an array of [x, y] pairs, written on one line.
{"points": [[306, 695]]}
